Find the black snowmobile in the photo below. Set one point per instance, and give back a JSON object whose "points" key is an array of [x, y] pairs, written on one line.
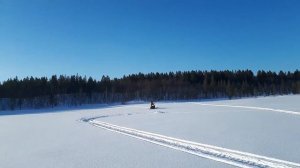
{"points": [[152, 105]]}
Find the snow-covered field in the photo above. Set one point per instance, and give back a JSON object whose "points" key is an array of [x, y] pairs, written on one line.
{"points": [[245, 132]]}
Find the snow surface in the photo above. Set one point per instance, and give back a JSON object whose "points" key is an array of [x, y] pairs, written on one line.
{"points": [[231, 157], [61, 139]]}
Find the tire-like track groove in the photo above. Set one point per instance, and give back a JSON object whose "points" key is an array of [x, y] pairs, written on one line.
{"points": [[251, 107], [231, 157]]}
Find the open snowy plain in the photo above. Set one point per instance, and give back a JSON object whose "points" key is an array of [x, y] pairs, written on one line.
{"points": [[251, 132]]}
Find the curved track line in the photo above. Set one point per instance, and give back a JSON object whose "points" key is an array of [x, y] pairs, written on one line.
{"points": [[251, 107], [231, 157]]}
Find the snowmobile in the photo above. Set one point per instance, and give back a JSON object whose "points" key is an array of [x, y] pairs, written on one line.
{"points": [[152, 105]]}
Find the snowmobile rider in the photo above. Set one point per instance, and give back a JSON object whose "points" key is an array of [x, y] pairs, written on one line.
{"points": [[152, 106]]}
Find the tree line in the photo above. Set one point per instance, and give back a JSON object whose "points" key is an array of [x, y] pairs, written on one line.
{"points": [[76, 90]]}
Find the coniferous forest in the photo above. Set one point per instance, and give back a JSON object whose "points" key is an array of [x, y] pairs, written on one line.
{"points": [[76, 90]]}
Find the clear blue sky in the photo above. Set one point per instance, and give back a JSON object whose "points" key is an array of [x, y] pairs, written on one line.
{"points": [[117, 37]]}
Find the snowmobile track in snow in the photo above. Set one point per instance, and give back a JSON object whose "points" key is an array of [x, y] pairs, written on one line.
{"points": [[231, 157], [251, 107]]}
